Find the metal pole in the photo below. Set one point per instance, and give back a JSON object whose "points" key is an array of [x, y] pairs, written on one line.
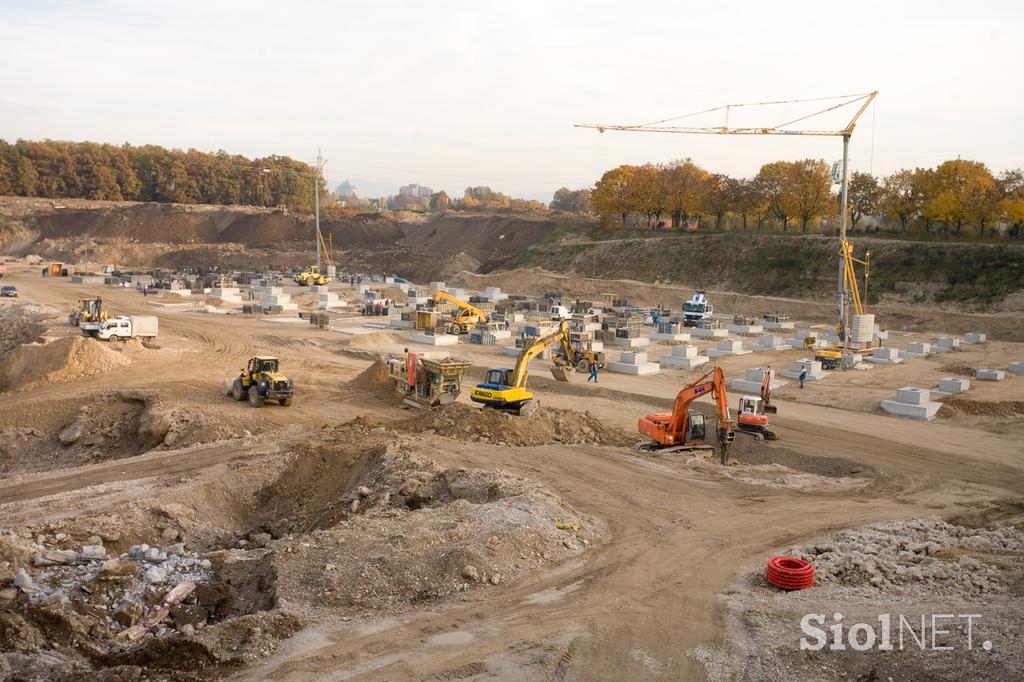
{"points": [[840, 287], [316, 201]]}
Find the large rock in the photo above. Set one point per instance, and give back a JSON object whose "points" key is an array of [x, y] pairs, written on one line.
{"points": [[128, 612]]}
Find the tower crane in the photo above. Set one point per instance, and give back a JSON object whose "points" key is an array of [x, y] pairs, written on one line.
{"points": [[846, 283]]}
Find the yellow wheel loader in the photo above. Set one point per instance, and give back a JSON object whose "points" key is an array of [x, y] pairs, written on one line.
{"points": [[260, 380]]}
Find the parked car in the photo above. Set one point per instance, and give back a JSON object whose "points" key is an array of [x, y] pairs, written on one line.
{"points": [[9, 291]]}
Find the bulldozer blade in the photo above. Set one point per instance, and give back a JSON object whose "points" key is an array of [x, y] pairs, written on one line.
{"points": [[561, 373]]}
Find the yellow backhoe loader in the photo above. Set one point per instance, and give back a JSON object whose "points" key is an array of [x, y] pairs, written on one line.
{"points": [[465, 319]]}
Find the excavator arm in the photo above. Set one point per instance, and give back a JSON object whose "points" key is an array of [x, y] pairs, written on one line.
{"points": [[558, 335], [689, 393], [462, 305]]}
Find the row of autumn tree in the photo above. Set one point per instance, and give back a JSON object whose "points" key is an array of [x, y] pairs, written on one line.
{"points": [[87, 170], [953, 196]]}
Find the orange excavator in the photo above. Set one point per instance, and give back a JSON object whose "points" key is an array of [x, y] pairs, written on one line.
{"points": [[752, 417], [685, 430]]}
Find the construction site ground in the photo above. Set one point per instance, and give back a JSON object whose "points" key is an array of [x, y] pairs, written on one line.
{"points": [[407, 547]]}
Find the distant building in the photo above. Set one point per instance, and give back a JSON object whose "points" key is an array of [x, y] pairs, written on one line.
{"points": [[415, 190], [346, 189]]}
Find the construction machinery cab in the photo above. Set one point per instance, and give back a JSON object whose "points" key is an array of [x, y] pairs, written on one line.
{"points": [[498, 378], [261, 380]]}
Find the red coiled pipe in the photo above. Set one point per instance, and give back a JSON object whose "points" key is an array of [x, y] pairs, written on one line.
{"points": [[790, 573]]}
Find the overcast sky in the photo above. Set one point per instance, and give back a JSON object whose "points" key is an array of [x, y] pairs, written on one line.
{"points": [[456, 93]]}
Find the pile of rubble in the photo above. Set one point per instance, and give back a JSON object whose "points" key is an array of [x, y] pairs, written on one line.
{"points": [[545, 426], [920, 553]]}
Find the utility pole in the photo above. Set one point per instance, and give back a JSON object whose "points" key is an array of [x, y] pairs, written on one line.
{"points": [[316, 201], [841, 308]]}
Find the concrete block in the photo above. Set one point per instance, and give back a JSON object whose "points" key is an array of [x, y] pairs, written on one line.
{"points": [[923, 412], [728, 347], [436, 339], [401, 324], [885, 356], [631, 343], [754, 377], [917, 349], [913, 396], [769, 342], [813, 367], [952, 385], [778, 326], [673, 362], [709, 333], [438, 286], [990, 375], [881, 334], [745, 329], [1017, 367], [269, 291], [633, 363], [660, 336], [975, 338], [513, 351], [945, 343]]}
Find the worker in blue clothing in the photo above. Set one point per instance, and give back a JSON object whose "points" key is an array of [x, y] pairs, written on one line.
{"points": [[593, 372]]}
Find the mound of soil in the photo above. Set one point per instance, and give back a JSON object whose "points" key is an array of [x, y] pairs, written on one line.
{"points": [[57, 361], [545, 426], [954, 406], [370, 340], [373, 379]]}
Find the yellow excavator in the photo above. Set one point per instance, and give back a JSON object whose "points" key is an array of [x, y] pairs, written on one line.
{"points": [[466, 318], [313, 276], [505, 389]]}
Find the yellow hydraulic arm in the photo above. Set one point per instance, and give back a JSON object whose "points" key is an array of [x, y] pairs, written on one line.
{"points": [[558, 335], [465, 307], [850, 275]]}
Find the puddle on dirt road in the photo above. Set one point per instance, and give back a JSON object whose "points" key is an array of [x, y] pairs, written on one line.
{"points": [[554, 594], [451, 638]]}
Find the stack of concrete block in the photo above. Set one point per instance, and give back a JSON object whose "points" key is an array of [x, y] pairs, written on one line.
{"points": [[946, 344], [228, 294], [950, 385], [727, 347], [435, 339], [973, 338], [885, 356], [812, 367], [670, 331], [682, 357], [917, 349], [746, 329], [915, 403], [274, 300], [633, 362], [493, 294], [751, 382], [769, 342], [990, 375], [714, 330], [1017, 367]]}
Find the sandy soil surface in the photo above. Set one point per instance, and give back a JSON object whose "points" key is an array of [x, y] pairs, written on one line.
{"points": [[349, 538]]}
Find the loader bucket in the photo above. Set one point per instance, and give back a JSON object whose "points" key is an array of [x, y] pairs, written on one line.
{"points": [[561, 373]]}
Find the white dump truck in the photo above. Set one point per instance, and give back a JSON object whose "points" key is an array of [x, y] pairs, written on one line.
{"points": [[697, 309], [124, 327]]}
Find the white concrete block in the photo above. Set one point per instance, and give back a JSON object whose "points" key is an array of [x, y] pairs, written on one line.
{"points": [[885, 356], [659, 336], [767, 342], [635, 369], [438, 286], [813, 368], [401, 324], [709, 333], [949, 342], [745, 329], [436, 339], [633, 357], [913, 396], [784, 326], [631, 343], [917, 349], [685, 351], [924, 412], [675, 362], [754, 377], [990, 375], [975, 338], [1017, 367], [953, 385]]}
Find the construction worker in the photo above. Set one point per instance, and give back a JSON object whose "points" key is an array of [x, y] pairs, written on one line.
{"points": [[593, 373], [803, 376]]}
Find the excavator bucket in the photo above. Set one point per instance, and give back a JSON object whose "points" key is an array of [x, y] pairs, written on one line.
{"points": [[561, 373], [770, 409]]}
